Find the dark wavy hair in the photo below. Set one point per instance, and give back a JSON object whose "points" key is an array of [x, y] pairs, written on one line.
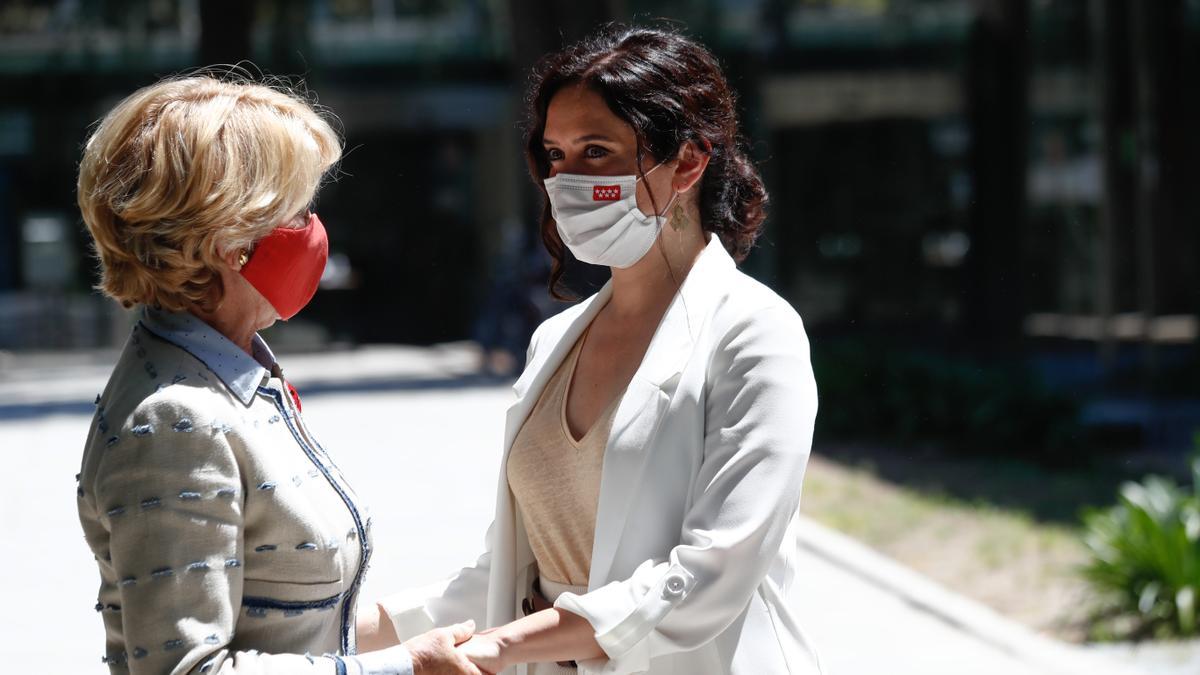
{"points": [[671, 90]]}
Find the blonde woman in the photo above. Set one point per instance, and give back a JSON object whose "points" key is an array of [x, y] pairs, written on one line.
{"points": [[647, 510], [227, 539]]}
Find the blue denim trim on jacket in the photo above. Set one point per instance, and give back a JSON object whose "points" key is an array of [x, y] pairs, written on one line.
{"points": [[364, 543], [240, 372], [272, 603]]}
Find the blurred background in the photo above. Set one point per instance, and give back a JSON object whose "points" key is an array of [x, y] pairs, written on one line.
{"points": [[985, 210]]}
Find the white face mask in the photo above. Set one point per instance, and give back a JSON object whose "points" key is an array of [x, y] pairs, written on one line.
{"points": [[598, 218]]}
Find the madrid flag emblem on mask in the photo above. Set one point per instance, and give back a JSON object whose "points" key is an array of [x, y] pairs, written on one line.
{"points": [[606, 193]]}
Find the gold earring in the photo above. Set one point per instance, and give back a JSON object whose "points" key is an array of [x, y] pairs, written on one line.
{"points": [[243, 259], [678, 218]]}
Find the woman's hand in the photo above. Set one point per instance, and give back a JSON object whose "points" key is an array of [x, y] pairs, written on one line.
{"points": [[542, 637], [434, 653], [486, 651]]}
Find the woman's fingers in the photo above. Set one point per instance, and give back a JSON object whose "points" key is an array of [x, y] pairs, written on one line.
{"points": [[462, 631], [435, 652]]}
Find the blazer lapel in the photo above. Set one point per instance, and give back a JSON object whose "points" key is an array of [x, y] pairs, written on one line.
{"points": [[637, 418], [647, 399]]}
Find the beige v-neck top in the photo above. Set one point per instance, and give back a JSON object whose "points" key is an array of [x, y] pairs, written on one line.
{"points": [[556, 480]]}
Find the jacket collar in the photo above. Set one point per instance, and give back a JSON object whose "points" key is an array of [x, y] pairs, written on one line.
{"points": [[240, 372]]}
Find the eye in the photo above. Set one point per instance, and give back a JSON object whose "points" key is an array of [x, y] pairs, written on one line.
{"points": [[595, 152], [554, 154]]}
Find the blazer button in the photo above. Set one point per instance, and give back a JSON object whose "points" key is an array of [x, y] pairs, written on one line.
{"points": [[675, 586]]}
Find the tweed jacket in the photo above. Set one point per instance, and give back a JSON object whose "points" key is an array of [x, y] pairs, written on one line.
{"points": [[227, 539]]}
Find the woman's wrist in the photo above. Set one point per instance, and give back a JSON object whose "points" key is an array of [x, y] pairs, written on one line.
{"points": [[546, 636], [529, 640], [508, 645]]}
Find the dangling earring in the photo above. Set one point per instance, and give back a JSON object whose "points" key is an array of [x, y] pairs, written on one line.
{"points": [[678, 219], [243, 259]]}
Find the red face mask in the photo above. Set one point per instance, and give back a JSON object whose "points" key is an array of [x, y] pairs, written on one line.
{"points": [[287, 264]]}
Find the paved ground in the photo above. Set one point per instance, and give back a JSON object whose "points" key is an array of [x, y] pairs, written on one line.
{"points": [[420, 439]]}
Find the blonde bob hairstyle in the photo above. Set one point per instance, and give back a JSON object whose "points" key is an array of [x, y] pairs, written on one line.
{"points": [[185, 171]]}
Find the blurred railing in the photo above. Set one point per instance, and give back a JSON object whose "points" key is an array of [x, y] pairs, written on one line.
{"points": [[108, 35]]}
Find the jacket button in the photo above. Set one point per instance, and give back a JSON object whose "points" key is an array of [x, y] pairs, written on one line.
{"points": [[675, 586]]}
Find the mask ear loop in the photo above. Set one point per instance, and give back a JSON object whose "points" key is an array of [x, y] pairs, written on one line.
{"points": [[654, 205], [662, 249]]}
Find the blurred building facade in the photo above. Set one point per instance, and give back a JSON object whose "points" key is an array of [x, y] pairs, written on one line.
{"points": [[986, 172]]}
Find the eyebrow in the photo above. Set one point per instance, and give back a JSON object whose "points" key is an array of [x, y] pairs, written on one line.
{"points": [[581, 139]]}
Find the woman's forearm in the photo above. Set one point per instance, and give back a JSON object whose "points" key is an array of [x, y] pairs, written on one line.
{"points": [[546, 636]]}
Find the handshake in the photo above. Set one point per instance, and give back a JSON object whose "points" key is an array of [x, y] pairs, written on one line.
{"points": [[546, 635], [453, 650]]}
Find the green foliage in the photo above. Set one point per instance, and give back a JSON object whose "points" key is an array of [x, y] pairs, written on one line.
{"points": [[868, 393], [1145, 559]]}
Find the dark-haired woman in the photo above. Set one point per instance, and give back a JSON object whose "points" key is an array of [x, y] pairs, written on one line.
{"points": [[648, 496]]}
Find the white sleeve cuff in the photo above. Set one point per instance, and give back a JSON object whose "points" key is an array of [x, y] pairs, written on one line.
{"points": [[625, 613], [406, 609], [390, 661]]}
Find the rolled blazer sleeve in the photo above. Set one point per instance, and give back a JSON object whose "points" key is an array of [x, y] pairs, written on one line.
{"points": [[759, 415], [171, 497]]}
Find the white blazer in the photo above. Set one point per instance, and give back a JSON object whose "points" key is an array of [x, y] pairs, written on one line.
{"points": [[695, 547]]}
